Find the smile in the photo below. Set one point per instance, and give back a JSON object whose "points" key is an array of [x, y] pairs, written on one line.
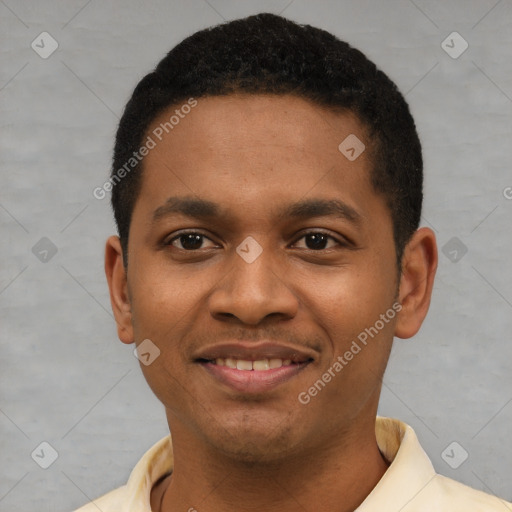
{"points": [[259, 365], [252, 377]]}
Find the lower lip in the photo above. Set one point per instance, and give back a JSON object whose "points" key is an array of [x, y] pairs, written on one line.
{"points": [[253, 381]]}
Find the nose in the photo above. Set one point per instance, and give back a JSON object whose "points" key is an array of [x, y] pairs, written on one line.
{"points": [[252, 292]]}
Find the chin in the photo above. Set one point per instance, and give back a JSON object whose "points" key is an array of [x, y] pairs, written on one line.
{"points": [[252, 444]]}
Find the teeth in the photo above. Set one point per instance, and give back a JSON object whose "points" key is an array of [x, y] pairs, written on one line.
{"points": [[230, 363], [243, 365], [260, 365]]}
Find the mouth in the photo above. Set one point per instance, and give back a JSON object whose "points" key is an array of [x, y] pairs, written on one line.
{"points": [[248, 369], [260, 365]]}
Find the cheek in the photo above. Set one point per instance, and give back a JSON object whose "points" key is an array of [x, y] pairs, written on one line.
{"points": [[164, 311], [162, 299], [348, 300], [348, 309]]}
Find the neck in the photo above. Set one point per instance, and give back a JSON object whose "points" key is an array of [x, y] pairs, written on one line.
{"points": [[334, 477]]}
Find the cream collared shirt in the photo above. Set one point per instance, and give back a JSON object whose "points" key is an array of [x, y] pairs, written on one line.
{"points": [[410, 484]]}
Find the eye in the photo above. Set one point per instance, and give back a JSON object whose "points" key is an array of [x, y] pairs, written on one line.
{"points": [[317, 241], [191, 241]]}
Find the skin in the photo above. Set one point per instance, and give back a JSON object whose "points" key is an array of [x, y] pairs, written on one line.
{"points": [[254, 154]]}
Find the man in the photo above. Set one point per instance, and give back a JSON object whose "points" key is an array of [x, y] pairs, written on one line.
{"points": [[267, 188]]}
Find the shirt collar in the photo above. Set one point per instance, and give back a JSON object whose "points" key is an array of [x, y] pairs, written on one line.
{"points": [[409, 472], [155, 463]]}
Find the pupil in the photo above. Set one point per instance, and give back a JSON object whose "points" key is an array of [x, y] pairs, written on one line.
{"points": [[318, 241], [191, 241]]}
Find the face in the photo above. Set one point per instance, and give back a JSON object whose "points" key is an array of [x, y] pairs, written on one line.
{"points": [[254, 238]]}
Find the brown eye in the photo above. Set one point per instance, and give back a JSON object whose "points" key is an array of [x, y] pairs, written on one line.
{"points": [[317, 241], [189, 241]]}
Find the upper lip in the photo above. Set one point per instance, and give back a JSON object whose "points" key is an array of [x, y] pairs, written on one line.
{"points": [[251, 351]]}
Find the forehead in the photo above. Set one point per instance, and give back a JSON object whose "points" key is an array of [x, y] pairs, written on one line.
{"points": [[246, 120], [248, 150]]}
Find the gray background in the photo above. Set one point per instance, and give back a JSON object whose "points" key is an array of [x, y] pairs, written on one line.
{"points": [[67, 380]]}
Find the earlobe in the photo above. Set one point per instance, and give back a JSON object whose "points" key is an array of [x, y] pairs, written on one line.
{"points": [[118, 287], [419, 264]]}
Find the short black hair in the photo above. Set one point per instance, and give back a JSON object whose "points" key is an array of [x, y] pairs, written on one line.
{"points": [[269, 54]]}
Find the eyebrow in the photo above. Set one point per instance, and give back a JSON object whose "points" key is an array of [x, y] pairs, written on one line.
{"points": [[306, 208], [196, 208], [321, 208]]}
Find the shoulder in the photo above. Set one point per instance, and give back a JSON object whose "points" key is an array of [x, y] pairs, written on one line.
{"points": [[110, 502], [157, 461], [453, 496], [411, 483]]}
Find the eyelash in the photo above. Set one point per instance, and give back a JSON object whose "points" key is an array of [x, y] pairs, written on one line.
{"points": [[312, 232]]}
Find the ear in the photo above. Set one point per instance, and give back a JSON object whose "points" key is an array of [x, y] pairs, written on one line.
{"points": [[419, 264], [118, 286]]}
